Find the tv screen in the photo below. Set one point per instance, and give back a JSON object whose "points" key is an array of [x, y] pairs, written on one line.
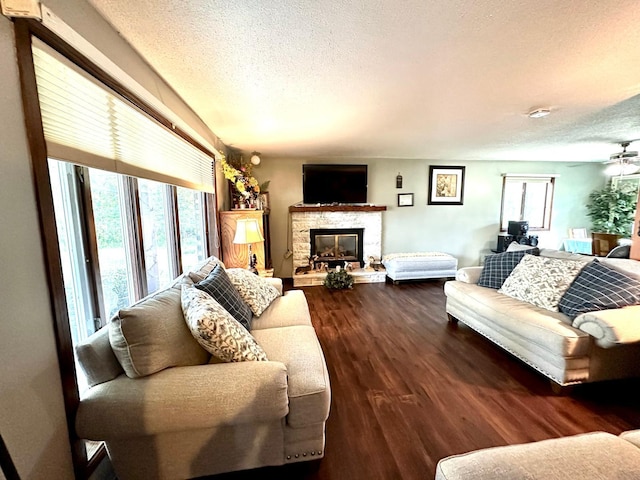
{"points": [[334, 183]]}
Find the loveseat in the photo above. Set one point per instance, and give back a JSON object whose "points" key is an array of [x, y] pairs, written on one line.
{"points": [[166, 408], [590, 456], [593, 346]]}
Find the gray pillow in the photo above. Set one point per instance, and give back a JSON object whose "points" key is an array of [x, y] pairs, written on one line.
{"points": [[152, 335], [218, 285]]}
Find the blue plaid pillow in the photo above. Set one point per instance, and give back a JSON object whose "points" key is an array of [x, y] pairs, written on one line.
{"points": [[219, 286], [599, 287], [499, 266]]}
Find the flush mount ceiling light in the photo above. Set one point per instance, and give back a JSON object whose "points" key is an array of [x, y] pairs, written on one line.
{"points": [[255, 158], [539, 113]]}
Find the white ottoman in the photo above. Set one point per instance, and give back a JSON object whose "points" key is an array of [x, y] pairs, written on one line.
{"points": [[416, 266]]}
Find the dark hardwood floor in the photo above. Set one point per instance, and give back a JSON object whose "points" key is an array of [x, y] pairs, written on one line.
{"points": [[408, 388]]}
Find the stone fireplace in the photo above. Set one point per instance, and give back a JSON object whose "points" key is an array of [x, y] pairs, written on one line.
{"points": [[365, 218], [337, 245]]}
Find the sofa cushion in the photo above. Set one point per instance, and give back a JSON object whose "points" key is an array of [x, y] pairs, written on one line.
{"points": [[309, 391], [541, 281], [599, 287], [218, 285], [185, 399], [216, 330], [256, 291], [591, 456], [498, 267], [285, 311], [151, 335]]}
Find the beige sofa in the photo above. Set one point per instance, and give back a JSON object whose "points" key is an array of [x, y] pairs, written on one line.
{"points": [[591, 456], [199, 417], [595, 346]]}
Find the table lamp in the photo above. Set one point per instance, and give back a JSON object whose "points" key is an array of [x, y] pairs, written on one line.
{"points": [[248, 232]]}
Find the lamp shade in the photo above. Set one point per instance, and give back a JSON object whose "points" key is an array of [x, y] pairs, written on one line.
{"points": [[248, 231]]}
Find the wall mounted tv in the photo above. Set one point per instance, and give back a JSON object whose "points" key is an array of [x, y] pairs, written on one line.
{"points": [[334, 183]]}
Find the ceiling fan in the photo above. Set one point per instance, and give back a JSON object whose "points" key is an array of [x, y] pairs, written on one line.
{"points": [[624, 162]]}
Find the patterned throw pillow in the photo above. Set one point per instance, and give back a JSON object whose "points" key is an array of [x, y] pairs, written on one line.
{"points": [[255, 290], [216, 330], [218, 285], [541, 281], [499, 266], [599, 287]]}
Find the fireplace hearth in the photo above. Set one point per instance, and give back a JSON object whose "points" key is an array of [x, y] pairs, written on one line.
{"points": [[335, 246]]}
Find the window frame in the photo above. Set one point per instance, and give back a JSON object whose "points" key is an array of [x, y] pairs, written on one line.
{"points": [[548, 202], [25, 30]]}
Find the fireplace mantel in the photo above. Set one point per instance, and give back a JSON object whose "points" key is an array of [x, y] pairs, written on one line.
{"points": [[337, 208]]}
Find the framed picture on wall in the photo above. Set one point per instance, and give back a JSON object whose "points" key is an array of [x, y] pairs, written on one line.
{"points": [[446, 185], [405, 199]]}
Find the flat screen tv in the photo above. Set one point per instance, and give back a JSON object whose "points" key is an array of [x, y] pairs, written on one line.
{"points": [[334, 183]]}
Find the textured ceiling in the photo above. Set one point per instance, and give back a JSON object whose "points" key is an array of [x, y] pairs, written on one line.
{"points": [[432, 79]]}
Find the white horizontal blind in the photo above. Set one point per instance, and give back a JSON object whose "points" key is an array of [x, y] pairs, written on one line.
{"points": [[86, 123]]}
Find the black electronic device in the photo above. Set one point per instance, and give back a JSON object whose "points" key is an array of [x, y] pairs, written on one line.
{"points": [[334, 183], [518, 228], [531, 240], [503, 242]]}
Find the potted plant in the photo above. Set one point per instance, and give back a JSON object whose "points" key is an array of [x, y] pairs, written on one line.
{"points": [[338, 280], [612, 210]]}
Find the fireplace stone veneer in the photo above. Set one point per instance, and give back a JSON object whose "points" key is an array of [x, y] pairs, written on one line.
{"points": [[303, 222]]}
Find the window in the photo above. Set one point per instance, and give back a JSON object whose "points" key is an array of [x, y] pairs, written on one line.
{"points": [[158, 237], [527, 198], [83, 317], [114, 249], [192, 226]]}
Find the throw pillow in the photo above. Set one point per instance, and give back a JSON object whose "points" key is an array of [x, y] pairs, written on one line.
{"points": [[218, 285], [499, 266], [541, 281], [255, 290], [216, 330], [151, 335], [200, 272], [516, 247], [599, 287]]}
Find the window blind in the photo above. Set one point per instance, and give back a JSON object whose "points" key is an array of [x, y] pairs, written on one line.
{"points": [[86, 123]]}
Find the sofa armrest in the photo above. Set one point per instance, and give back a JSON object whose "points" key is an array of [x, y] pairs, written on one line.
{"points": [[184, 398], [612, 327], [276, 282], [469, 274]]}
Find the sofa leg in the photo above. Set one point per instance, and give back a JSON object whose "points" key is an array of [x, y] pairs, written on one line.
{"points": [[560, 390], [452, 319]]}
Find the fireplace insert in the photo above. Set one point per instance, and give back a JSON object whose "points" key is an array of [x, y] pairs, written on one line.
{"points": [[335, 246]]}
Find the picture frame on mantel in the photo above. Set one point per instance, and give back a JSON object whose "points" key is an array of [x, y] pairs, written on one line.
{"points": [[446, 185], [405, 199]]}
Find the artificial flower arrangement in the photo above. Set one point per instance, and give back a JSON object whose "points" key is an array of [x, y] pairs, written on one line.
{"points": [[246, 186]]}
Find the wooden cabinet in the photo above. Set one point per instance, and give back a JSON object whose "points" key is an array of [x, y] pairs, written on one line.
{"points": [[236, 256]]}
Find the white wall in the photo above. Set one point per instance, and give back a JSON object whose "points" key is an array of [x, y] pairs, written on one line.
{"points": [[462, 231], [32, 418]]}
